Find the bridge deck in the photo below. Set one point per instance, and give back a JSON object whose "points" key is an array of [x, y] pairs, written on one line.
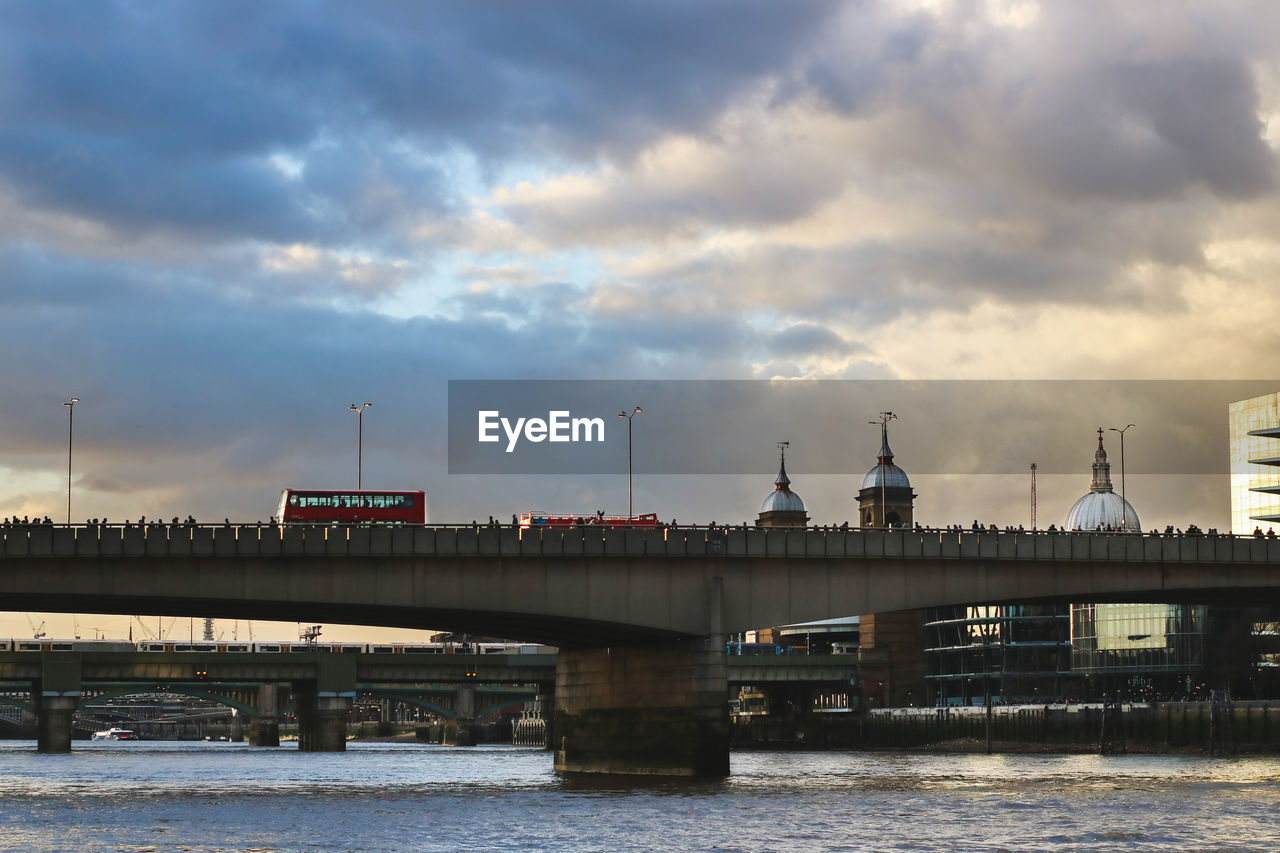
{"points": [[255, 540]]}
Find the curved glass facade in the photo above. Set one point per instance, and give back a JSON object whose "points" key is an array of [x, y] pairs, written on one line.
{"points": [[1012, 653], [1154, 651]]}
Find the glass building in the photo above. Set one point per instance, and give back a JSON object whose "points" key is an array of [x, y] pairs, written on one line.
{"points": [[1139, 651], [1254, 433], [1009, 653]]}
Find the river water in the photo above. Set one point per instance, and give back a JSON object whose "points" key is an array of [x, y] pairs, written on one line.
{"points": [[156, 796]]}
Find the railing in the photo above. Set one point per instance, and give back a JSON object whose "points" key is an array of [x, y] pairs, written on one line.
{"points": [[450, 540]]}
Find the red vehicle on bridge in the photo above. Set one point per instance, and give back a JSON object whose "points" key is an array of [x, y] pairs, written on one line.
{"points": [[538, 518], [303, 506]]}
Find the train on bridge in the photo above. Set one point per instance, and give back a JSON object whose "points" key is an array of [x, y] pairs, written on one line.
{"points": [[44, 644]]}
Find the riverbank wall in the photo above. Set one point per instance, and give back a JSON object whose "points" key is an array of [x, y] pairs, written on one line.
{"points": [[1211, 727]]}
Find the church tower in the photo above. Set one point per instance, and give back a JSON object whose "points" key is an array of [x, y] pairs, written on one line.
{"points": [[885, 498], [895, 641]]}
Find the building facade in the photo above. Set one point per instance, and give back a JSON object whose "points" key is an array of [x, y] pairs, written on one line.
{"points": [[1253, 428]]}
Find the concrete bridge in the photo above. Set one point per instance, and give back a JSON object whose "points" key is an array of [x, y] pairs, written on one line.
{"points": [[640, 612]]}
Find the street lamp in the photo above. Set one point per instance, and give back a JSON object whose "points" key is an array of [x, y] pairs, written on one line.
{"points": [[71, 414], [1124, 501], [885, 417], [359, 410], [635, 412]]}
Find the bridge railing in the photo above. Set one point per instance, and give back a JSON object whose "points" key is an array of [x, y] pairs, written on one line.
{"points": [[266, 540]]}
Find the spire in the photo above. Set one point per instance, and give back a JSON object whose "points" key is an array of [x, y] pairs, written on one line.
{"points": [[1101, 469], [782, 483], [886, 455]]}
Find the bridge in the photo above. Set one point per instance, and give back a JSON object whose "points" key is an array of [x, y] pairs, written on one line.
{"points": [[458, 687], [639, 613]]}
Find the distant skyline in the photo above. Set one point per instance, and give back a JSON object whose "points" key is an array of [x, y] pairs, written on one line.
{"points": [[221, 225]]}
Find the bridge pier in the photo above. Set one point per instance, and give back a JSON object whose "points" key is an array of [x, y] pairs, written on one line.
{"points": [[643, 710], [264, 728], [55, 697], [464, 730], [53, 723], [322, 720]]}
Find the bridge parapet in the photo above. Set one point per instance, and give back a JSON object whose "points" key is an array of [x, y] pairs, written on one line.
{"points": [[259, 540]]}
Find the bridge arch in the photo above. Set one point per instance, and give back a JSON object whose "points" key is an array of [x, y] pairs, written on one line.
{"points": [[173, 690]]}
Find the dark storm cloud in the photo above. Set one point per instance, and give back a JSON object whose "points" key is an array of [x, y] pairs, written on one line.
{"points": [[164, 115], [1149, 131]]}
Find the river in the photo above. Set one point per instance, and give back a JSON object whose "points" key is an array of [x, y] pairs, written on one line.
{"points": [[196, 797]]}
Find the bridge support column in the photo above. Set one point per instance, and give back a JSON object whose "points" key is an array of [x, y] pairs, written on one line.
{"points": [[322, 720], [651, 710], [465, 729], [55, 697], [53, 723], [236, 735], [264, 727]]}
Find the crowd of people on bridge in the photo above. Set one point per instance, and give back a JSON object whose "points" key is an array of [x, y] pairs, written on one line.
{"points": [[24, 522]]}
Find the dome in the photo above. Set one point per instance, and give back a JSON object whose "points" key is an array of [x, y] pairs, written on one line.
{"points": [[891, 474], [1102, 507], [782, 499]]}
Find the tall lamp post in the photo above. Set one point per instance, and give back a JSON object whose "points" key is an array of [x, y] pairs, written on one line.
{"points": [[359, 410], [885, 417], [629, 416], [71, 417], [1124, 501]]}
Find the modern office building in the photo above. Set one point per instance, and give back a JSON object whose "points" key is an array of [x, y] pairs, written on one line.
{"points": [[1253, 428]]}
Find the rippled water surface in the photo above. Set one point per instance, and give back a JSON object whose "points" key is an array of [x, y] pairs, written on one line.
{"points": [[383, 797]]}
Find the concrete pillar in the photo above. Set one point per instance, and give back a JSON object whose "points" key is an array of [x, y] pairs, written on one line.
{"points": [[322, 719], [646, 710], [464, 730], [264, 727], [546, 705], [236, 735], [53, 723], [55, 697]]}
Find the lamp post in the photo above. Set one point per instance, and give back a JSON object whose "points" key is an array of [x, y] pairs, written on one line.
{"points": [[1124, 501], [359, 410], [71, 415], [629, 416], [885, 417]]}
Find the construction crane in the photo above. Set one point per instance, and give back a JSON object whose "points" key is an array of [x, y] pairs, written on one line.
{"points": [[147, 633], [37, 631]]}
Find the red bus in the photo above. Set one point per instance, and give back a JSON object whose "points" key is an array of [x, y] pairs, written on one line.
{"points": [[303, 506], [538, 518]]}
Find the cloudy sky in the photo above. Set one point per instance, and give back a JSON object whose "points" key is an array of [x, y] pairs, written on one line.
{"points": [[221, 224]]}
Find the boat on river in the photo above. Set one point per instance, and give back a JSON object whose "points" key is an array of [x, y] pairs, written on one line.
{"points": [[115, 734]]}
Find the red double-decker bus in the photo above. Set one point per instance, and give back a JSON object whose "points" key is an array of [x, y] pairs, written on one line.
{"points": [[304, 506]]}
